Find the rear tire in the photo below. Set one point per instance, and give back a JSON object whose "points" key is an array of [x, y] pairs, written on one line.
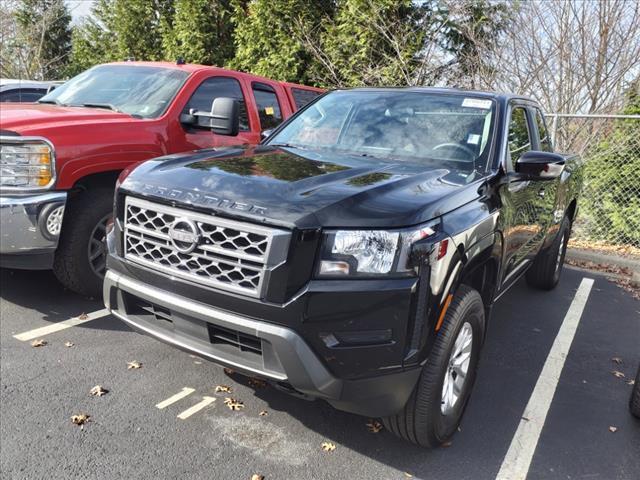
{"points": [[80, 257], [547, 266], [430, 417], [634, 401]]}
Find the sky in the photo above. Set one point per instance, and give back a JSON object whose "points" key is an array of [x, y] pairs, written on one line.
{"points": [[79, 9]]}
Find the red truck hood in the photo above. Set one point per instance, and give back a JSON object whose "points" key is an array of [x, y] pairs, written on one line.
{"points": [[29, 118]]}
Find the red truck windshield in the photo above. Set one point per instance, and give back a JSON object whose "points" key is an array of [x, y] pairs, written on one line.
{"points": [[137, 90], [414, 126]]}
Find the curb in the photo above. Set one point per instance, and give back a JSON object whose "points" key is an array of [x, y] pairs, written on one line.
{"points": [[606, 259]]}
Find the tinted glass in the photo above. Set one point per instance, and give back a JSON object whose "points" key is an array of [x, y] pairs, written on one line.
{"points": [[545, 139], [268, 106], [216, 87], [301, 96], [412, 126], [142, 91], [519, 138], [22, 95]]}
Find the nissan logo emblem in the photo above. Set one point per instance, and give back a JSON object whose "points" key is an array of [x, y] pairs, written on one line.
{"points": [[184, 235]]}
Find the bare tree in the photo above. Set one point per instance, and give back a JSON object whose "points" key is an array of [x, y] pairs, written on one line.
{"points": [[574, 56]]}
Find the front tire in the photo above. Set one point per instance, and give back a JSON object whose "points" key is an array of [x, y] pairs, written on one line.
{"points": [[79, 263], [435, 408], [547, 266]]}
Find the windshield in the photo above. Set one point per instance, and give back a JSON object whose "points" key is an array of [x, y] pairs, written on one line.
{"points": [[137, 90], [395, 125]]}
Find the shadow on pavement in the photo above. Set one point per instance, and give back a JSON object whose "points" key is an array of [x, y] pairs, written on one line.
{"points": [[40, 291]]}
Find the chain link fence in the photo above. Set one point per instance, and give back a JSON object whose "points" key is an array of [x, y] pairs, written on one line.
{"points": [[609, 209]]}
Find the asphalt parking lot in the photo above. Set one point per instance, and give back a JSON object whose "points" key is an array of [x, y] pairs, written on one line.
{"points": [[128, 436]]}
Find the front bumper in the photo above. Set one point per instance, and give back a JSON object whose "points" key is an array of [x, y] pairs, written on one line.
{"points": [[24, 241], [251, 346]]}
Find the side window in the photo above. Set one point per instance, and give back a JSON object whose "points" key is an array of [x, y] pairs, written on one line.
{"points": [[213, 88], [27, 95], [268, 106], [545, 139], [519, 138], [301, 96]]}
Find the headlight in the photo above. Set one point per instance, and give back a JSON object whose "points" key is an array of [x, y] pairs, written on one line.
{"points": [[28, 164], [369, 252]]}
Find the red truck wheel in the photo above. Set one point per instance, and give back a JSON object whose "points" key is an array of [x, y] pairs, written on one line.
{"points": [[80, 259]]}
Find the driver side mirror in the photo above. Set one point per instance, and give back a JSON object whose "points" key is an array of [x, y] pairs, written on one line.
{"points": [[539, 166], [224, 118]]}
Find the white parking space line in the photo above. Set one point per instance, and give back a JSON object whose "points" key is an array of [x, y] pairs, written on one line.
{"points": [[56, 327], [186, 391], [196, 408], [515, 465]]}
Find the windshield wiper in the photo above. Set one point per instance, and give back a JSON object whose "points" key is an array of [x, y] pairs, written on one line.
{"points": [[109, 106], [286, 145]]}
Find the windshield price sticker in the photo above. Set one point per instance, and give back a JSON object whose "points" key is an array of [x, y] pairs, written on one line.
{"points": [[476, 103], [473, 139]]}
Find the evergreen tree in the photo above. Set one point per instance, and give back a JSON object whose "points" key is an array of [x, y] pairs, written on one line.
{"points": [[266, 37], [202, 32], [371, 43], [137, 28], [43, 37], [93, 40]]}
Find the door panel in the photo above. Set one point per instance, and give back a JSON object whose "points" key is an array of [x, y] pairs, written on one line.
{"points": [[523, 202]]}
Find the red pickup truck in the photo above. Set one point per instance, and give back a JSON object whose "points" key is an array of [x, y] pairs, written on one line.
{"points": [[60, 157]]}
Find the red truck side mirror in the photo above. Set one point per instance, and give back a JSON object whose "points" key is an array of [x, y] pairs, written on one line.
{"points": [[225, 116]]}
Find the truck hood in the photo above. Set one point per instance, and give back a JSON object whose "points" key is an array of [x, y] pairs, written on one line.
{"points": [[302, 188], [34, 118]]}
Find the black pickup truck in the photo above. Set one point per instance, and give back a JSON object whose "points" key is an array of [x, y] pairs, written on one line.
{"points": [[355, 255]]}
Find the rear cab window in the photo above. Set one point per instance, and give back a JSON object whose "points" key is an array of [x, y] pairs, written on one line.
{"points": [[269, 110], [302, 96], [215, 87]]}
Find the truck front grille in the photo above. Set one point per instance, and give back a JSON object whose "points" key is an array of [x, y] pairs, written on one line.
{"points": [[213, 251]]}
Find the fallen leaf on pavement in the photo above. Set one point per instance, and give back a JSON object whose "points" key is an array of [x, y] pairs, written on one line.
{"points": [[446, 444], [374, 426], [631, 382], [613, 429], [83, 316], [80, 419], [197, 362], [229, 371], [257, 383], [328, 446], [38, 343], [255, 476], [223, 388], [408, 475], [68, 344], [617, 360], [233, 404], [133, 365], [617, 374], [98, 391], [263, 413]]}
